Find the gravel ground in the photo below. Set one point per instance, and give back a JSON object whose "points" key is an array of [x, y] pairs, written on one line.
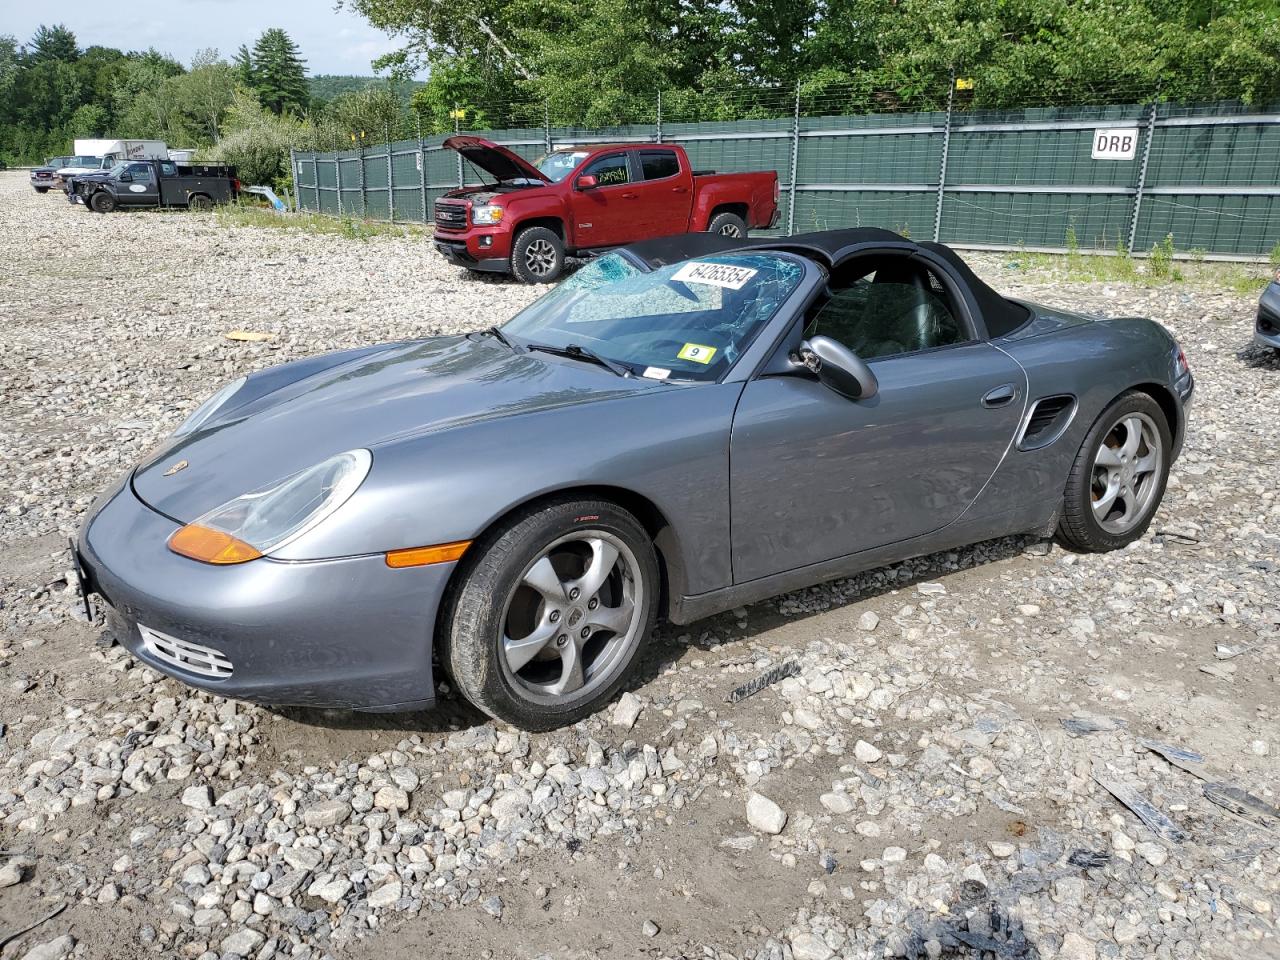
{"points": [[942, 776]]}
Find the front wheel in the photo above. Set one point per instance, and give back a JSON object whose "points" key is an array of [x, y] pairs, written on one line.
{"points": [[551, 613], [102, 202], [42, 189], [728, 225], [1118, 478], [537, 256]]}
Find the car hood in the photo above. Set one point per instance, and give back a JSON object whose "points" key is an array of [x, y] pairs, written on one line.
{"points": [[405, 390], [496, 160]]}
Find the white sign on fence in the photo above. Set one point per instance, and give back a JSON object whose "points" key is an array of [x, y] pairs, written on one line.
{"points": [[1115, 144]]}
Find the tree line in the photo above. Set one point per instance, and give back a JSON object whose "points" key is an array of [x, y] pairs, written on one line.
{"points": [[601, 62], [249, 110]]}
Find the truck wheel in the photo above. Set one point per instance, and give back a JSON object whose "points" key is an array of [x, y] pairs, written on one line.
{"points": [[728, 225], [198, 201], [42, 189], [537, 256], [102, 202]]}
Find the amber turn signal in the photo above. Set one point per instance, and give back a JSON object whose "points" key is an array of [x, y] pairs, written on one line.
{"points": [[211, 546], [423, 556]]}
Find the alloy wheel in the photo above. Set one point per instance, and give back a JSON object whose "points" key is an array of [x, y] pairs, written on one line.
{"points": [[1126, 473], [730, 230], [574, 615], [540, 258]]}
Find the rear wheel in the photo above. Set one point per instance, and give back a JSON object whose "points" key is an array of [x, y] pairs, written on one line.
{"points": [[551, 614], [1118, 478], [728, 225], [42, 189], [537, 256], [198, 201], [102, 202]]}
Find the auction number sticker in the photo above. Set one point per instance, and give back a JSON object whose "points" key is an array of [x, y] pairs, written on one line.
{"points": [[697, 352], [716, 274]]}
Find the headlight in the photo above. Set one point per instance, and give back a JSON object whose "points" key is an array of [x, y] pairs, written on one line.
{"points": [[209, 408], [487, 214], [257, 523]]}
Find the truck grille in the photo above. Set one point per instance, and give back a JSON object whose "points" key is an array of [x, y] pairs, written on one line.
{"points": [[185, 655], [451, 216]]}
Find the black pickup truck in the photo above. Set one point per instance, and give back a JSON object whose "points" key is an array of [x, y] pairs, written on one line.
{"points": [[155, 183]]}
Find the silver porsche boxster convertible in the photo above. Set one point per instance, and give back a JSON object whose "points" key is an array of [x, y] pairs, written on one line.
{"points": [[681, 427]]}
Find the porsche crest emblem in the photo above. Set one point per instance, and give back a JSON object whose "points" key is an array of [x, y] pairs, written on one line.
{"points": [[176, 468]]}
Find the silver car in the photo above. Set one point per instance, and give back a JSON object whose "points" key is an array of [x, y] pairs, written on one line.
{"points": [[681, 427]]}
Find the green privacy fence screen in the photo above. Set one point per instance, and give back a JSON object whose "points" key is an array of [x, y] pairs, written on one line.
{"points": [[1209, 175]]}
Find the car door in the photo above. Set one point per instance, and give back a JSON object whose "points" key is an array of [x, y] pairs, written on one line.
{"points": [[604, 215], [815, 476], [663, 191], [140, 189]]}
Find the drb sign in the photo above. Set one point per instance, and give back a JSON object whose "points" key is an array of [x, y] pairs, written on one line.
{"points": [[1119, 144]]}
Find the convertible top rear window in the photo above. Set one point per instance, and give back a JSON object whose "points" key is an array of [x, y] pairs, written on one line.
{"points": [[689, 320]]}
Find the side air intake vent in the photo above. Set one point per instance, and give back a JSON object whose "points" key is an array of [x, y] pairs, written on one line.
{"points": [[1046, 422]]}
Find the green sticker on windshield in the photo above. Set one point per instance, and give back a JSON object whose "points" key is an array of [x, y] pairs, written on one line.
{"points": [[696, 352]]}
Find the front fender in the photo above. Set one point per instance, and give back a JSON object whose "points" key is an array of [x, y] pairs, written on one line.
{"points": [[669, 446]]}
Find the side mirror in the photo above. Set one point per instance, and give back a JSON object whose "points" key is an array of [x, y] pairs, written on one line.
{"points": [[587, 182], [126, 177], [839, 368]]}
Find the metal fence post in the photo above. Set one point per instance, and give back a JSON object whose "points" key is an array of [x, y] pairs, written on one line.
{"points": [[795, 156], [942, 166], [293, 172], [1142, 177], [659, 116], [422, 170], [364, 192], [337, 178], [546, 123], [391, 174], [455, 130]]}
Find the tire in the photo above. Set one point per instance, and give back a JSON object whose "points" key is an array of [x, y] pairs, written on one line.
{"points": [[42, 189], [501, 638], [728, 225], [198, 201], [1110, 499], [537, 256], [102, 202]]}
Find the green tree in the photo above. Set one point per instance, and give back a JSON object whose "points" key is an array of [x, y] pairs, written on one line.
{"points": [[277, 73], [205, 93], [53, 43]]}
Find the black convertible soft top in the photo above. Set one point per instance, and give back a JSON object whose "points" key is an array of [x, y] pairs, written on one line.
{"points": [[1002, 316]]}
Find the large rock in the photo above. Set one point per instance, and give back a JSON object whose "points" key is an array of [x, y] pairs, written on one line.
{"points": [[765, 815], [52, 949], [243, 942], [808, 946], [327, 814]]}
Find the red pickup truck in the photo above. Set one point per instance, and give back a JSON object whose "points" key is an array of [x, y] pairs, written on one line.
{"points": [[577, 200]]}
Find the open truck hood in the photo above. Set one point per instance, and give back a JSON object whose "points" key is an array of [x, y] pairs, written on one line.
{"points": [[495, 160]]}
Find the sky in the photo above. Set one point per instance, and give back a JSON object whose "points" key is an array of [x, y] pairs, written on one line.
{"points": [[331, 41]]}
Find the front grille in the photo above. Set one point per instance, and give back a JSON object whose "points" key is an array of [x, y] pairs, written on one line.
{"points": [[185, 655], [451, 216]]}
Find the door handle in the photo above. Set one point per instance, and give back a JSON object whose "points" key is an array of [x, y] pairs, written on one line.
{"points": [[679, 189], [628, 196], [1000, 396]]}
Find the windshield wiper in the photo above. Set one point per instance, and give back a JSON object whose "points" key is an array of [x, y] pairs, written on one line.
{"points": [[582, 353], [498, 335]]}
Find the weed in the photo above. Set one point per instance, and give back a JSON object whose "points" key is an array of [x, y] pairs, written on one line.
{"points": [[351, 228], [1160, 264]]}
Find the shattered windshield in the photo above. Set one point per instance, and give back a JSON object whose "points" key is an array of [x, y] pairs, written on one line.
{"points": [[684, 321], [559, 164]]}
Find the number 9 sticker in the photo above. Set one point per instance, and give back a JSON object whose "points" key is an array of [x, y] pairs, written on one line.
{"points": [[696, 352]]}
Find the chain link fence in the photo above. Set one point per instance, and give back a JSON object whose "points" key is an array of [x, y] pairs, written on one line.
{"points": [[1117, 170]]}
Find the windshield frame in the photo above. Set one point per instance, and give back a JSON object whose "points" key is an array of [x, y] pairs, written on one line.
{"points": [[756, 349]]}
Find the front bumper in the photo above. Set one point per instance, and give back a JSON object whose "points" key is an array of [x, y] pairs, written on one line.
{"points": [[348, 633], [1266, 330]]}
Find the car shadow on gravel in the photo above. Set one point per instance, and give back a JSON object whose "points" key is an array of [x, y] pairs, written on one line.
{"points": [[670, 641], [1259, 358]]}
